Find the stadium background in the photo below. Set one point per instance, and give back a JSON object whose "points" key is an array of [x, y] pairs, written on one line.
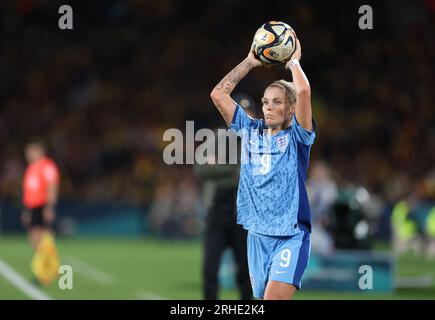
{"points": [[102, 95]]}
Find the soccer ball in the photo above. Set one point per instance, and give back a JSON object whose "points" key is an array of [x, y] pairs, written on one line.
{"points": [[274, 42]]}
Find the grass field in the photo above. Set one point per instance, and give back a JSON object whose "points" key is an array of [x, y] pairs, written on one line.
{"points": [[119, 268]]}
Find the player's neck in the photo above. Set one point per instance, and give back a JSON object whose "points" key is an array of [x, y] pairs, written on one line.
{"points": [[273, 131], [277, 129]]}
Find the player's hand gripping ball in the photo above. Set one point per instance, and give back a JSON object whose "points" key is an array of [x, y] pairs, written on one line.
{"points": [[274, 42]]}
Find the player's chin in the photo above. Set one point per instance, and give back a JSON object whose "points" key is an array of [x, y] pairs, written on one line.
{"points": [[272, 123], [269, 121]]}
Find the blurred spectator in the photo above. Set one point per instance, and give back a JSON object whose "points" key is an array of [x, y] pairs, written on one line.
{"points": [[176, 211], [413, 219], [322, 193]]}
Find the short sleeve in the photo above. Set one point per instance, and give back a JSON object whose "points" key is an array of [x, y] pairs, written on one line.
{"points": [[302, 135], [50, 173], [241, 120]]}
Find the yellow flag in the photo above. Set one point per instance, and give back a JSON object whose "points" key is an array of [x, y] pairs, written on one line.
{"points": [[45, 262]]}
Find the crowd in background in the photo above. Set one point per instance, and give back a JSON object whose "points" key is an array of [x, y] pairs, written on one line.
{"points": [[102, 94]]}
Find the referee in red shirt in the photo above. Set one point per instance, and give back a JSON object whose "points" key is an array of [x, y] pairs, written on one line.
{"points": [[40, 192]]}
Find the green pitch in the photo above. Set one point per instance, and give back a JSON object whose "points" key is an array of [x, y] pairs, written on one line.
{"points": [[119, 268]]}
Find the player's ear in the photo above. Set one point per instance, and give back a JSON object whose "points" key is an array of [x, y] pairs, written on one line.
{"points": [[292, 110]]}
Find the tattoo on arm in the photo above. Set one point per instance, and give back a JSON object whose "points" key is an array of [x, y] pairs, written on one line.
{"points": [[229, 82]]}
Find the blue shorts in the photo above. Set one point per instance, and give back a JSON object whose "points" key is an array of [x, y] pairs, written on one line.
{"points": [[279, 258]]}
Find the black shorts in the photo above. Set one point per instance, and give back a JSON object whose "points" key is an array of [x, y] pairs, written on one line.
{"points": [[37, 218]]}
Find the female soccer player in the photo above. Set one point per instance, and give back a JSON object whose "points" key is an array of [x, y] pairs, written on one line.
{"points": [[272, 202]]}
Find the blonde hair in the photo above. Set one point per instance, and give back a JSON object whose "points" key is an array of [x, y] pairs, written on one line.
{"points": [[289, 89]]}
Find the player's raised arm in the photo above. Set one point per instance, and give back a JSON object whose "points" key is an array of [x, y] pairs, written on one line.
{"points": [[303, 101], [221, 93]]}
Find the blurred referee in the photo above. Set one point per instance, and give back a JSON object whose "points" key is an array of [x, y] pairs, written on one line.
{"points": [[40, 192], [222, 231]]}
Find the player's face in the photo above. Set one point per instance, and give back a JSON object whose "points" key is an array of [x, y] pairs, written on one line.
{"points": [[276, 110]]}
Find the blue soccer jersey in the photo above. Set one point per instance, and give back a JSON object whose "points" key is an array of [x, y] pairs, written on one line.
{"points": [[272, 199]]}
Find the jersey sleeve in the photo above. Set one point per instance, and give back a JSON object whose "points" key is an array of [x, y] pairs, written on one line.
{"points": [[241, 121], [50, 173], [302, 135]]}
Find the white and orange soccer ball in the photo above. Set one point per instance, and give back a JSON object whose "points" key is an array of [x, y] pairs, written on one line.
{"points": [[274, 42]]}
